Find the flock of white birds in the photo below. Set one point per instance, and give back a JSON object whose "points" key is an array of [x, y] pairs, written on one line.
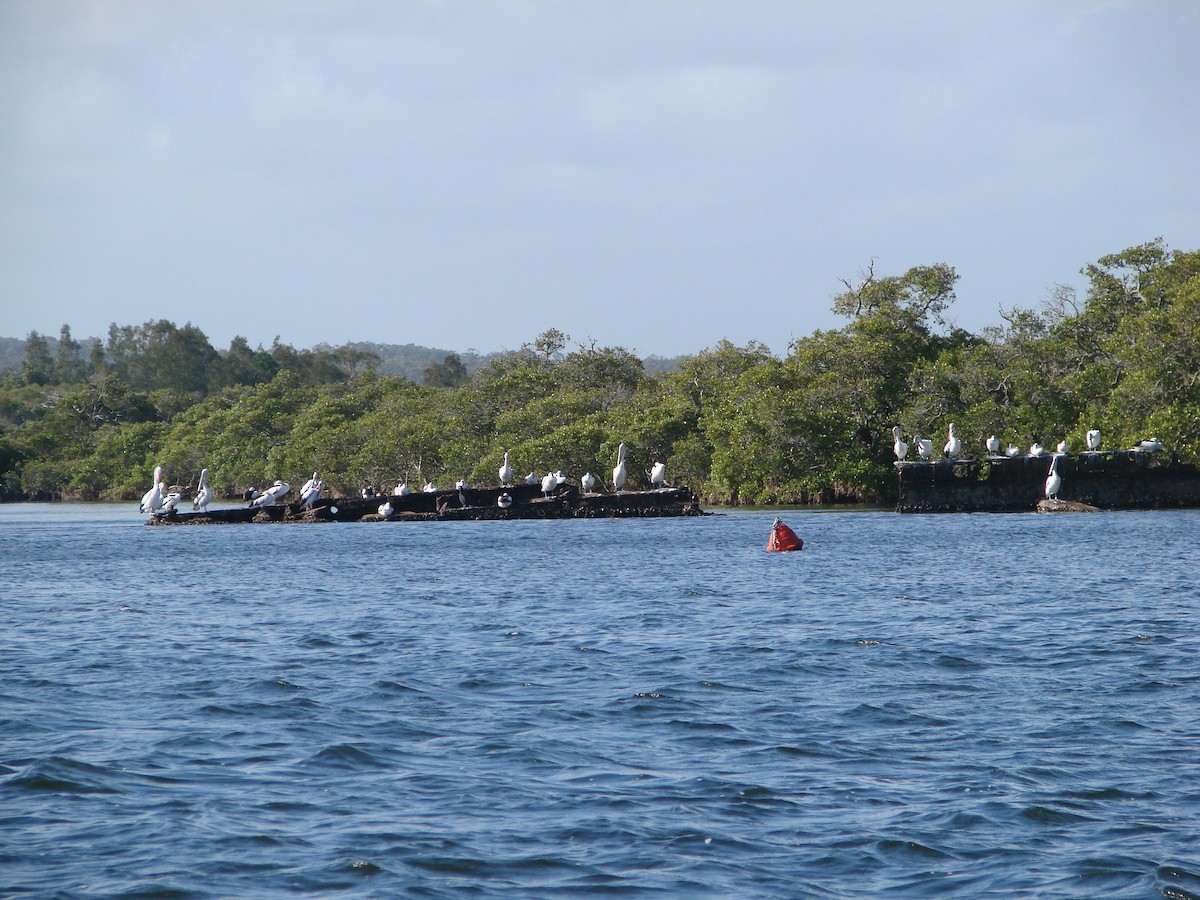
{"points": [[953, 450], [159, 500]]}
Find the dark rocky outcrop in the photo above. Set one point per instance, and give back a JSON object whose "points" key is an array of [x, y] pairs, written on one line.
{"points": [[1113, 479]]}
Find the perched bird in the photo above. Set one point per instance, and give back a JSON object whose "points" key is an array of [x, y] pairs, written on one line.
{"points": [[560, 476], [658, 475], [549, 484], [1053, 480], [506, 472], [271, 494], [310, 493], [1012, 451], [204, 493], [1151, 445], [1064, 446], [898, 446], [1093, 440], [953, 448], [531, 479], [461, 484], [402, 489], [430, 487], [1036, 449], [504, 501], [924, 447], [588, 482], [152, 500], [993, 445], [386, 509], [170, 501], [619, 471]]}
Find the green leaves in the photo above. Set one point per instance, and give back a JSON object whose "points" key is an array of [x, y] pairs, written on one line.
{"points": [[735, 423]]}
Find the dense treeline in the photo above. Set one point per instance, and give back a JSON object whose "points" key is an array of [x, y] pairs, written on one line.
{"points": [[737, 424]]}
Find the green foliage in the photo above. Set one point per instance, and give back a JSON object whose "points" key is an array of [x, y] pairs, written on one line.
{"points": [[450, 372], [736, 424]]}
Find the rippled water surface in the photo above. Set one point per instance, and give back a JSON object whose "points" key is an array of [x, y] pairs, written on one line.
{"points": [[911, 707]]}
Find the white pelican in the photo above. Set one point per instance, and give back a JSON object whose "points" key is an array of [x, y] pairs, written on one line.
{"points": [[204, 493], [924, 447], [1053, 480], [619, 471], [153, 498], [170, 501], [532, 479], [658, 475], [1012, 451], [311, 492], [506, 472], [953, 448], [402, 489], [560, 476], [430, 487], [549, 484], [271, 494], [588, 482], [1093, 439], [1064, 446], [898, 446], [993, 446], [386, 509], [1152, 445], [1036, 449], [504, 501]]}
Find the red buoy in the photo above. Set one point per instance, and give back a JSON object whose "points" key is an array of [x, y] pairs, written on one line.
{"points": [[783, 538]]}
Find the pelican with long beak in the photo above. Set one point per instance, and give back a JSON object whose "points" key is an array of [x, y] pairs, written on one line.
{"points": [[953, 448], [1053, 480], [271, 494], [204, 493], [152, 500], [619, 471]]}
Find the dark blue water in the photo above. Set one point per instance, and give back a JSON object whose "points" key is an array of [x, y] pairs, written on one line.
{"points": [[912, 707]]}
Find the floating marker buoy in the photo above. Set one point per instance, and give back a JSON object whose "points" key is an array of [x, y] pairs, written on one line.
{"points": [[783, 538]]}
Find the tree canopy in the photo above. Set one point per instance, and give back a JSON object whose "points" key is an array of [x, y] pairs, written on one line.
{"points": [[738, 424]]}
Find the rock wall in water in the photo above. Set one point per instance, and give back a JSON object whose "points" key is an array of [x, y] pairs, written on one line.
{"points": [[1111, 479]]}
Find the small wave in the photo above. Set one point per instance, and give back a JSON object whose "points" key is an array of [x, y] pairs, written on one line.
{"points": [[352, 757], [395, 687], [736, 688], [949, 661], [895, 848], [365, 868], [1044, 815], [1180, 883], [60, 774]]}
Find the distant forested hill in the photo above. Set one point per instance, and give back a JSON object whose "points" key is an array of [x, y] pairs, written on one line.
{"points": [[411, 360], [407, 360]]}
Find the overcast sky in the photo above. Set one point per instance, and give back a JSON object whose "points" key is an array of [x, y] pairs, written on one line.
{"points": [[655, 175]]}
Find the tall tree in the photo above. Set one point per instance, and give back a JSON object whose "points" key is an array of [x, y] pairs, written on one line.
{"points": [[38, 365]]}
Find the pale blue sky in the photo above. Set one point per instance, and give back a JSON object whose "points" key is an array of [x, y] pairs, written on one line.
{"points": [[654, 175]]}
